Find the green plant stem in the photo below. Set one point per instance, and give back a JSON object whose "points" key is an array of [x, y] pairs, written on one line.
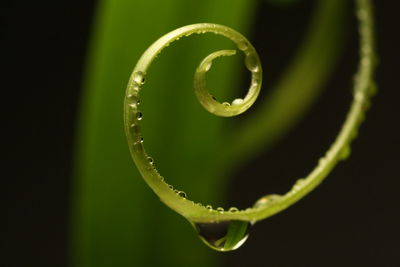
{"points": [[294, 95], [340, 149]]}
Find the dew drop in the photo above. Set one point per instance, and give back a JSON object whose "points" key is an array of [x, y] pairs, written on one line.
{"points": [[223, 236], [151, 160], [181, 194], [299, 184], [171, 187], [208, 66], [162, 178], [266, 200], [233, 209], [251, 62], [242, 45], [139, 116], [220, 209], [226, 104], [138, 77], [237, 101], [135, 88], [209, 207]]}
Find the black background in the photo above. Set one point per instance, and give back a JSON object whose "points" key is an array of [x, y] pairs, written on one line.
{"points": [[351, 220]]}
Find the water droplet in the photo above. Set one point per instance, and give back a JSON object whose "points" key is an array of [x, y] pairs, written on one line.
{"points": [[138, 77], [208, 66], [162, 178], [299, 184], [139, 116], [233, 209], [171, 187], [150, 159], [133, 106], [181, 194], [237, 101], [251, 62], [266, 200], [135, 88], [322, 161], [242, 45], [141, 140], [209, 207], [223, 236], [220, 209], [226, 104]]}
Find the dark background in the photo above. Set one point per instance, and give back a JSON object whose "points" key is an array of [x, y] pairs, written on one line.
{"points": [[351, 220]]}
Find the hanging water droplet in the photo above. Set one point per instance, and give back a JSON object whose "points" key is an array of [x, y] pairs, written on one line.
{"points": [[233, 209], [251, 62], [138, 77], [220, 209], [209, 207], [171, 187], [139, 116], [237, 101], [223, 236], [162, 178], [181, 194], [151, 160], [266, 200]]}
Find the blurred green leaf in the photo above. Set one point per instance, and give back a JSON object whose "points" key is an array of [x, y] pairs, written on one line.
{"points": [[117, 220]]}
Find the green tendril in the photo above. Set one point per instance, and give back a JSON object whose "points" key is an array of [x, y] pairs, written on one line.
{"points": [[270, 204]]}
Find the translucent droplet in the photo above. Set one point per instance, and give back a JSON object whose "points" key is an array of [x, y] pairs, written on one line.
{"points": [[209, 207], [181, 194], [226, 104], [266, 200], [135, 88], [141, 140], [242, 45], [233, 209], [133, 106], [162, 178], [151, 160], [220, 209], [299, 184], [138, 77], [223, 236], [171, 187], [251, 62], [208, 66], [237, 101], [139, 115]]}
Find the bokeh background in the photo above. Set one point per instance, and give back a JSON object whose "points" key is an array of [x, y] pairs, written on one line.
{"points": [[71, 194]]}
